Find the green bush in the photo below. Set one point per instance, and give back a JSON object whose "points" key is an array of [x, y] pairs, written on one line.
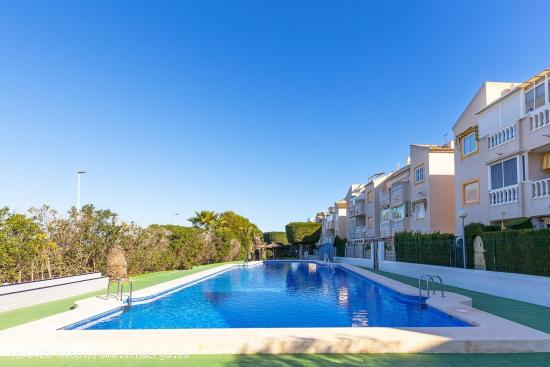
{"points": [[476, 229], [340, 245], [276, 237], [525, 251], [303, 233], [521, 223], [432, 248]]}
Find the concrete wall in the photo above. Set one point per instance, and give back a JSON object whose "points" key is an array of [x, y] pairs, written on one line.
{"points": [[366, 263], [31, 293]]}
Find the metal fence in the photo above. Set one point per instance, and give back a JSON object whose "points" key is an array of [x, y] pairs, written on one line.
{"points": [[513, 256], [361, 251]]}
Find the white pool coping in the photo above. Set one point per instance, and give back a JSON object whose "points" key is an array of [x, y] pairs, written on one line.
{"points": [[491, 335]]}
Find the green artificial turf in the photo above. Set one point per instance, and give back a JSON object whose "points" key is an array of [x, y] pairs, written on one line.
{"points": [[291, 360]]}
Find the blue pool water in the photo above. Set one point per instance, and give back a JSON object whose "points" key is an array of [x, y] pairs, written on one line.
{"points": [[279, 294]]}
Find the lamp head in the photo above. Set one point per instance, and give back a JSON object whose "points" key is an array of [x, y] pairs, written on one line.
{"points": [[462, 213]]}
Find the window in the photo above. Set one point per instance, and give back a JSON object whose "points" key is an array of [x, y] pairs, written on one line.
{"points": [[396, 192], [540, 97], [385, 215], [530, 100], [369, 197], [468, 144], [419, 174], [369, 222], [420, 210], [504, 174], [470, 192], [398, 212]]}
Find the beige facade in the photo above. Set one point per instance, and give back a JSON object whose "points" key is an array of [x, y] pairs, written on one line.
{"points": [[363, 203], [419, 196], [333, 222], [503, 138]]}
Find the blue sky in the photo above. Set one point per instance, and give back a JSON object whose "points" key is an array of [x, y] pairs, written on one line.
{"points": [[268, 108]]}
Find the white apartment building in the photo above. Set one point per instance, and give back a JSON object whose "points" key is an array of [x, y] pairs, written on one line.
{"points": [[502, 161]]}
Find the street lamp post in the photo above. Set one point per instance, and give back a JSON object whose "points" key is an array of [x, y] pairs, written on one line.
{"points": [[462, 214], [78, 174], [176, 217]]}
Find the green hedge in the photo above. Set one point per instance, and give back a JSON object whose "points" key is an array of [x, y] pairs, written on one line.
{"points": [[524, 251], [303, 233], [340, 245], [276, 237], [432, 249]]}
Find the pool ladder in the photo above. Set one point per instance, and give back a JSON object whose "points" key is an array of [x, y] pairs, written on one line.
{"points": [[327, 261], [119, 295], [429, 279]]}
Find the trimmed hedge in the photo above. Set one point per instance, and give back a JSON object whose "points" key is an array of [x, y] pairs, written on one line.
{"points": [[524, 251], [276, 237], [303, 233], [432, 249]]}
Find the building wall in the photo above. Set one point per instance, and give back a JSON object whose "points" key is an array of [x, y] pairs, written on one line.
{"points": [[441, 203], [472, 168]]}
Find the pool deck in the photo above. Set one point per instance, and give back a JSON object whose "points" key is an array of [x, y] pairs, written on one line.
{"points": [[491, 334]]}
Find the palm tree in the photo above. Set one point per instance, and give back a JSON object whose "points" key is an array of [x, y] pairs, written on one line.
{"points": [[252, 238], [206, 219]]}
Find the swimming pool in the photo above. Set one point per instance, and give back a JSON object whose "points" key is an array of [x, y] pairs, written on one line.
{"points": [[275, 295]]}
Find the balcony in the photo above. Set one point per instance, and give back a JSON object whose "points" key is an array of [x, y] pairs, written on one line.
{"points": [[384, 198], [399, 225], [540, 188], [385, 229], [539, 119], [357, 232], [399, 193], [504, 195], [359, 209], [503, 136]]}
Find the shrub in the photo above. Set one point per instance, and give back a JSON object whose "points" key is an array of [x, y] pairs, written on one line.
{"points": [[276, 237], [117, 268], [303, 233], [432, 248], [525, 251], [521, 223], [340, 245]]}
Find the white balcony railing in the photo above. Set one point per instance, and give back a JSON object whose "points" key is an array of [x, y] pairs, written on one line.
{"points": [[503, 136], [540, 188], [504, 195], [539, 119]]}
